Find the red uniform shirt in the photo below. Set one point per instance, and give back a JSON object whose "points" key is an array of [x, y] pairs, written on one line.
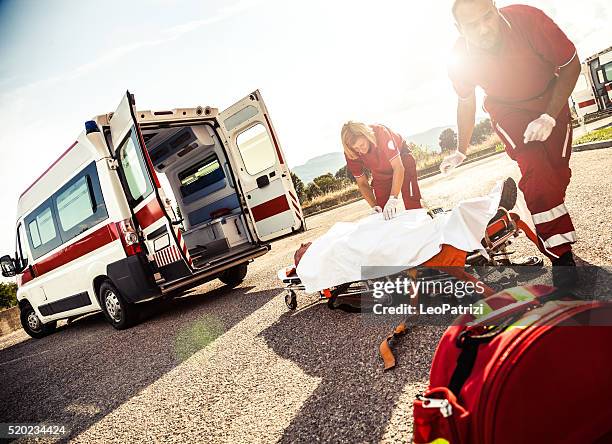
{"points": [[531, 51], [378, 159]]}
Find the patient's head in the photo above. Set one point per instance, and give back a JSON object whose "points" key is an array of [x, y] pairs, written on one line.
{"points": [[357, 138]]}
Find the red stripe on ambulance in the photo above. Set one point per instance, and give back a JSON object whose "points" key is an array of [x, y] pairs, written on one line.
{"points": [[98, 239], [270, 208], [278, 151], [586, 103], [149, 214]]}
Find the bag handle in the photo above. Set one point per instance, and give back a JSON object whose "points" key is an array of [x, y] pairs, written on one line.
{"points": [[517, 309]]}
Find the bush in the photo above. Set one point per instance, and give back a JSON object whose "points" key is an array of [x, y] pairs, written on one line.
{"points": [[8, 294], [595, 136]]}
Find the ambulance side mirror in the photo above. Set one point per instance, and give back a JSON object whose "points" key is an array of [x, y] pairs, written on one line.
{"points": [[8, 266]]}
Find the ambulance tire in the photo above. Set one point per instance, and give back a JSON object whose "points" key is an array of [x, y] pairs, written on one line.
{"points": [[32, 324], [235, 275], [117, 311]]}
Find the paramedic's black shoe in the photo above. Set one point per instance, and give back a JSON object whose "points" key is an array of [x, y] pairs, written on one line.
{"points": [[507, 199], [565, 274]]}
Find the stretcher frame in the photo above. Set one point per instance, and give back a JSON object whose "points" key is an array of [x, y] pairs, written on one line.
{"points": [[497, 238]]}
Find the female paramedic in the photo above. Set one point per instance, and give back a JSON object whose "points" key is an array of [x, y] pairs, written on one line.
{"points": [[388, 158]]}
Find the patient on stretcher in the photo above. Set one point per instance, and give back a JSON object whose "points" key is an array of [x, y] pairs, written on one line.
{"points": [[368, 248]]}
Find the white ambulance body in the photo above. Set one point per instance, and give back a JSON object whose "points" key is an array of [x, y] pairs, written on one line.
{"points": [[98, 232], [592, 96]]}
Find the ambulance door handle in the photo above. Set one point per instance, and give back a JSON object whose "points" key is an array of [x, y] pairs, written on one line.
{"points": [[263, 181]]}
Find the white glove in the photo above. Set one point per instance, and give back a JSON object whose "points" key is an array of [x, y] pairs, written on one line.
{"points": [[376, 209], [539, 129], [451, 162], [390, 209]]}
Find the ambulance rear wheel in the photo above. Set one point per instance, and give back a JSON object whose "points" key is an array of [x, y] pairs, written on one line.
{"points": [[32, 324], [235, 275], [117, 311]]}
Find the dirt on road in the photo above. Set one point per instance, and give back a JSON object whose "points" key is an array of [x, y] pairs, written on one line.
{"points": [[221, 365]]}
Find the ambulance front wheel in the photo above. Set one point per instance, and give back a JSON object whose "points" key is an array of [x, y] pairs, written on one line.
{"points": [[117, 311], [32, 324], [291, 300]]}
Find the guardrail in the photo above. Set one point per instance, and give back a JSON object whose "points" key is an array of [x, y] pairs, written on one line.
{"points": [[474, 157], [593, 145]]}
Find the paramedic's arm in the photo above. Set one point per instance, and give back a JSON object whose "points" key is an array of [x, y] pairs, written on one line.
{"points": [[568, 75], [366, 190], [398, 175], [466, 119]]}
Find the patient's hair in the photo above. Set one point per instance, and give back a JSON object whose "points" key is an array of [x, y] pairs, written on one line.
{"points": [[350, 131]]}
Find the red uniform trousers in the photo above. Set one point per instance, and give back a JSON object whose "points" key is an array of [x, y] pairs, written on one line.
{"points": [[545, 175], [411, 194]]}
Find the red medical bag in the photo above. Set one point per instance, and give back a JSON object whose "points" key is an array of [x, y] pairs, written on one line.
{"points": [[535, 368]]}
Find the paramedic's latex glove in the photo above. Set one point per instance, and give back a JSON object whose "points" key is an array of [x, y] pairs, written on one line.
{"points": [[390, 209], [539, 129], [375, 210], [451, 162]]}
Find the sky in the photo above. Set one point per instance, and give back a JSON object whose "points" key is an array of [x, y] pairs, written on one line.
{"points": [[317, 63]]}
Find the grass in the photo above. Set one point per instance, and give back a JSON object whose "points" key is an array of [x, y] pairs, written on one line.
{"points": [[425, 165], [595, 136]]}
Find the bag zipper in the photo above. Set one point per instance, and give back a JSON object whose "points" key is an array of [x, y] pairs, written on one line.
{"points": [[446, 410], [527, 337]]}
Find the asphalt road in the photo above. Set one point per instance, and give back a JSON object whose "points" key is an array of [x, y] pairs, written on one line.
{"points": [[221, 365]]}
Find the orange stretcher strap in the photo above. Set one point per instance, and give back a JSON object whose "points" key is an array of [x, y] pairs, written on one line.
{"points": [[385, 346], [449, 256]]}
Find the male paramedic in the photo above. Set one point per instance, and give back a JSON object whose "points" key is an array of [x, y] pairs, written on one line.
{"points": [[527, 68], [388, 158]]}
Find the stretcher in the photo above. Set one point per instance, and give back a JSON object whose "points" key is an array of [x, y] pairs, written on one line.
{"points": [[498, 237], [449, 264]]}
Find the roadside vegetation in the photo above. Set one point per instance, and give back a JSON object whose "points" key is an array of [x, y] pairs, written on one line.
{"points": [[595, 136], [8, 295], [332, 189]]}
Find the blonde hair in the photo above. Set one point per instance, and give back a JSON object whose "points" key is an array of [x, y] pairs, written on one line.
{"points": [[350, 131]]}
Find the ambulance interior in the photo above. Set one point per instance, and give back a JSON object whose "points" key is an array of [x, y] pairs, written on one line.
{"points": [[191, 162]]}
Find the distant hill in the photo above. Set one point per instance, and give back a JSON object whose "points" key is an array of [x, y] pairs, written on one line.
{"points": [[326, 163], [429, 138]]}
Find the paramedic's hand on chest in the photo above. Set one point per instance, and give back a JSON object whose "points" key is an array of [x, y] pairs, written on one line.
{"points": [[390, 210]]}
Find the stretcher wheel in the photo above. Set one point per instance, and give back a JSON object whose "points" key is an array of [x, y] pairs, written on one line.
{"points": [[291, 300], [532, 261]]}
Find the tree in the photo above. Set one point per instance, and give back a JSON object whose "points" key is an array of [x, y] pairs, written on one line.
{"points": [[8, 294], [327, 183], [482, 130], [299, 186], [448, 139], [312, 190], [344, 174]]}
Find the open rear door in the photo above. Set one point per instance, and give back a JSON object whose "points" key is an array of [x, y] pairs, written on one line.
{"points": [[163, 240], [262, 171]]}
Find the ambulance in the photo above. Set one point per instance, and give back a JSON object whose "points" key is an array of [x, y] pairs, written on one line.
{"points": [[145, 204], [592, 96]]}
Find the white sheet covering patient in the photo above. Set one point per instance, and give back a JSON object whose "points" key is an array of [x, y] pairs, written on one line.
{"points": [[406, 241]]}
